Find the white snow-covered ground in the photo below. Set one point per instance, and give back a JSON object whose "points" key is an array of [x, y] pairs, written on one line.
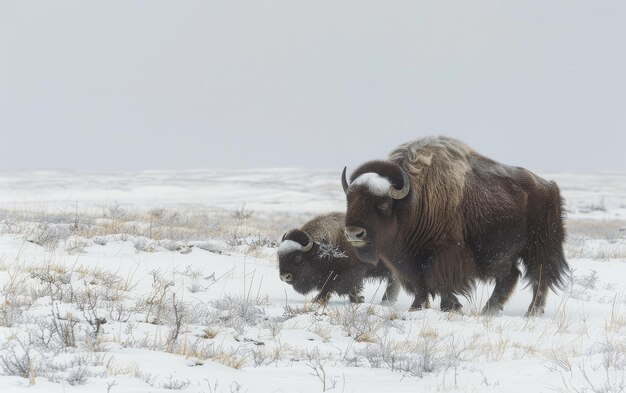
{"points": [[160, 281]]}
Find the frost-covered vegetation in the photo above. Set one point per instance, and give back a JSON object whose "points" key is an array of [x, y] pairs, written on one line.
{"points": [[160, 294]]}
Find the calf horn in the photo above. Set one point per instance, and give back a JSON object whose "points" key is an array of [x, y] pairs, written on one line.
{"points": [[404, 191], [302, 248]]}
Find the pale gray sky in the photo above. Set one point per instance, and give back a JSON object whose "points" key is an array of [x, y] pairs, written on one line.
{"points": [[153, 84]]}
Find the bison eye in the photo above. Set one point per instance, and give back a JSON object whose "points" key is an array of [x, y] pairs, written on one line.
{"points": [[385, 207], [298, 258]]}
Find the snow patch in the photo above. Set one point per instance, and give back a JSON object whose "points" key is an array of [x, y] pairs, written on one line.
{"points": [[377, 184]]}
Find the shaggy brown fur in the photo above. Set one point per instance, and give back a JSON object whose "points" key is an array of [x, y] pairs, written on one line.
{"points": [[465, 217], [330, 266]]}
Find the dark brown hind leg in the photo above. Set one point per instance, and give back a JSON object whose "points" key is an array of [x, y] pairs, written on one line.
{"points": [[356, 297], [540, 293], [322, 298], [355, 293], [391, 293], [421, 300], [449, 302], [502, 292]]}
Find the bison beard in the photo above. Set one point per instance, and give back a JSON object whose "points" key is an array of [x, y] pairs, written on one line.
{"points": [[463, 217]]}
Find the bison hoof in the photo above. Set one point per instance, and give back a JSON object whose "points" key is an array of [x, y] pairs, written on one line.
{"points": [[451, 307], [357, 299], [534, 312], [492, 309], [322, 300]]}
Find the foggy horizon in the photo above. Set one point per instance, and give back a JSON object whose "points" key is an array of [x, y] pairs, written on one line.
{"points": [[126, 86]]}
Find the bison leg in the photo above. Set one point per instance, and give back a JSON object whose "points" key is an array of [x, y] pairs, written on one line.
{"points": [[502, 292], [546, 266], [356, 298], [357, 287], [421, 300], [392, 291], [449, 302], [540, 293], [322, 298]]}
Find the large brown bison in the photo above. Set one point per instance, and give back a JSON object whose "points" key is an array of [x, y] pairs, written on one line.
{"points": [[318, 257], [439, 216]]}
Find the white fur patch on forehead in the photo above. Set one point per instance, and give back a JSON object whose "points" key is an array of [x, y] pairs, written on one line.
{"points": [[374, 182], [288, 246]]}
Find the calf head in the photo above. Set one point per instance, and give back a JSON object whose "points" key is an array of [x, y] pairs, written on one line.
{"points": [[297, 260]]}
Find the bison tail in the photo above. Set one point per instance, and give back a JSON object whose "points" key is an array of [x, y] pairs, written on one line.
{"points": [[543, 257]]}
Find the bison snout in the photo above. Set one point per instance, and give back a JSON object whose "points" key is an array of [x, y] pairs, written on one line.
{"points": [[356, 235], [286, 277]]}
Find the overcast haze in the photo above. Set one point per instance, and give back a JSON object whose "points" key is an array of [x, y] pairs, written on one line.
{"points": [[131, 85]]}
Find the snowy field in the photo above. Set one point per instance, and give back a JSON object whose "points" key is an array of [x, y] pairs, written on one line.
{"points": [[161, 281]]}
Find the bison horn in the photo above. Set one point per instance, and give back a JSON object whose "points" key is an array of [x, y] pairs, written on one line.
{"points": [[344, 182], [404, 191], [309, 246]]}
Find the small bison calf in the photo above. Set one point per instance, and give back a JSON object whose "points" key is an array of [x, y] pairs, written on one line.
{"points": [[318, 257]]}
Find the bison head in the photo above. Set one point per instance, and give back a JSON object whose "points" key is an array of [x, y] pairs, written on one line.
{"points": [[296, 260], [377, 196]]}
